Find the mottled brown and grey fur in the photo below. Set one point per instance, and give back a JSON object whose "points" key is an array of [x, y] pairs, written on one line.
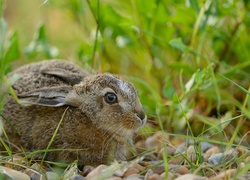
{"points": [[93, 130]]}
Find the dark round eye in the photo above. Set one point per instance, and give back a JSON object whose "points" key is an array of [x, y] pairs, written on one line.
{"points": [[110, 98]]}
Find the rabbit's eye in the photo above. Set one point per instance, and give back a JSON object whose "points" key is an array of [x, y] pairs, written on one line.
{"points": [[110, 98]]}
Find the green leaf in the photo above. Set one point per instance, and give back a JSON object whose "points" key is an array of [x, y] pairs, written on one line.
{"points": [[178, 44], [3, 27], [168, 89], [12, 50], [195, 5]]}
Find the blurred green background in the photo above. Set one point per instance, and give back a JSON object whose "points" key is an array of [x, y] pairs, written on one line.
{"points": [[190, 60]]}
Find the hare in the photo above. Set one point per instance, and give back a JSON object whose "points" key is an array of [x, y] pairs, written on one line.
{"points": [[96, 114]]}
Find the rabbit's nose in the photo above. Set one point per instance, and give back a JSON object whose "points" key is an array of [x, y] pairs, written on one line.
{"points": [[142, 116]]}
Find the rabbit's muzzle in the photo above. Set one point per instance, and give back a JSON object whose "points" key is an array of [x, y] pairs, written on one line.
{"points": [[142, 116]]}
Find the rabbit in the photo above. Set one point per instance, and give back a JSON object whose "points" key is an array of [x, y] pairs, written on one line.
{"points": [[99, 113]]}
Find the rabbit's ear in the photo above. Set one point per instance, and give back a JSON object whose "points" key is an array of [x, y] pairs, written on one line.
{"points": [[54, 97], [69, 77]]}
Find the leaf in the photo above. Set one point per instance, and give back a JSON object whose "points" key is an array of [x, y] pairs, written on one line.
{"points": [[3, 27], [168, 89], [195, 5], [178, 44], [12, 50]]}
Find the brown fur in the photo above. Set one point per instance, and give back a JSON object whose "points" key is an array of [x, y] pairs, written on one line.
{"points": [[92, 130]]}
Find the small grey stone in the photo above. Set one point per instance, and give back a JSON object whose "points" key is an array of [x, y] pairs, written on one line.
{"points": [[222, 157], [205, 146], [78, 177], [35, 176], [52, 175], [216, 159]]}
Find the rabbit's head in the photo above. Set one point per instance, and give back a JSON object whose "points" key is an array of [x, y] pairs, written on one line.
{"points": [[109, 102]]}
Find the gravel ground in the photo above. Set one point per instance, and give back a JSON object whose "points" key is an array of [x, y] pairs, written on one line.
{"points": [[187, 160]]}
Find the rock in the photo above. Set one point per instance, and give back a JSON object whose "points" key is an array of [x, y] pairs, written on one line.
{"points": [[36, 172], [222, 157], [178, 169], [155, 177], [138, 166], [95, 172], [228, 174], [177, 160], [191, 154], [204, 146], [145, 164], [131, 171], [77, 177], [13, 174], [182, 170], [149, 173], [170, 152], [241, 150], [114, 178], [35, 176], [170, 175], [52, 175], [159, 169], [134, 177], [210, 152], [87, 169], [191, 177], [180, 150], [216, 159]]}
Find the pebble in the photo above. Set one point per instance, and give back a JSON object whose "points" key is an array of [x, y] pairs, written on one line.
{"points": [[228, 174], [114, 178], [95, 172], [170, 152], [177, 160], [210, 152], [77, 177], [191, 177], [155, 177], [241, 150], [204, 146], [178, 169], [52, 175], [159, 169], [191, 154], [216, 159], [138, 166], [87, 169], [134, 177], [12, 174], [222, 157], [131, 171], [149, 173], [170, 175]]}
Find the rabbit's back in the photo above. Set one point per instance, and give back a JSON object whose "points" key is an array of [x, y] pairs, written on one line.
{"points": [[38, 75]]}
